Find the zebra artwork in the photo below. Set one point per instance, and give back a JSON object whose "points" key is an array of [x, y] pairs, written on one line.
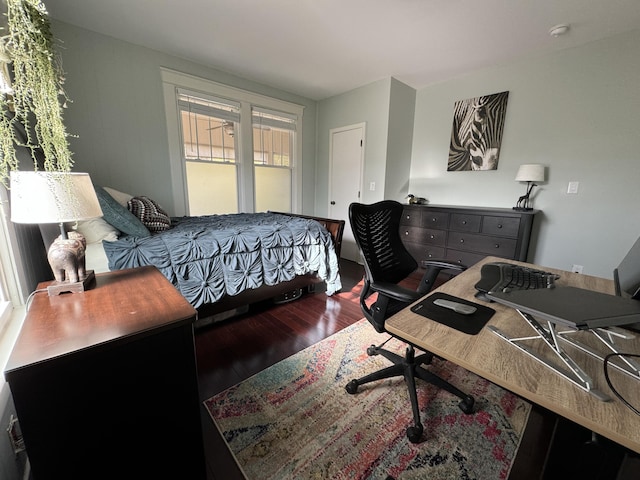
{"points": [[477, 132]]}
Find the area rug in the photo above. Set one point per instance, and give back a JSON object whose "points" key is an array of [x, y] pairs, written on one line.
{"points": [[295, 419]]}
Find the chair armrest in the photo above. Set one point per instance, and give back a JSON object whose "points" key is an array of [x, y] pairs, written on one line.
{"points": [[396, 292], [442, 265], [433, 268]]}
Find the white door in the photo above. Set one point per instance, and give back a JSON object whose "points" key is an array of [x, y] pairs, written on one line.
{"points": [[346, 165]]}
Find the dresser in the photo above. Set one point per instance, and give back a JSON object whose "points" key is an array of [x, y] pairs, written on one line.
{"points": [[105, 383], [465, 235]]}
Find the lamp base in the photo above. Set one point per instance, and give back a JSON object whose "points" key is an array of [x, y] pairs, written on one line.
{"points": [[56, 288], [522, 209]]}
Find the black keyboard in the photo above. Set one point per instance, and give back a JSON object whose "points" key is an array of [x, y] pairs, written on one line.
{"points": [[503, 277]]}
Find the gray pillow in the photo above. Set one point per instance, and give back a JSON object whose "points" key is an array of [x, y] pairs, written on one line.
{"points": [[119, 217]]}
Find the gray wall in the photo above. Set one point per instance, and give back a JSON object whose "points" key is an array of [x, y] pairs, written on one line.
{"points": [[576, 111], [118, 113], [368, 104], [402, 104]]}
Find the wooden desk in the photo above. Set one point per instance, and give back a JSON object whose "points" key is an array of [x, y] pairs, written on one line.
{"points": [[491, 357], [105, 383]]}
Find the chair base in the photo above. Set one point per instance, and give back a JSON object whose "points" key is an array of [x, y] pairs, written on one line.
{"points": [[410, 367]]}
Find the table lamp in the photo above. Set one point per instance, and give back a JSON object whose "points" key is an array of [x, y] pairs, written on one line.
{"points": [[529, 173], [58, 197]]}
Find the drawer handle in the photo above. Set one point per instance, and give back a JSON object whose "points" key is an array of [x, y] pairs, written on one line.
{"points": [[432, 236], [434, 219], [408, 217], [406, 232], [499, 225], [497, 245], [462, 240], [464, 222]]}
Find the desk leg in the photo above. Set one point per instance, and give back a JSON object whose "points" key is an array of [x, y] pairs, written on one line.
{"points": [[576, 375]]}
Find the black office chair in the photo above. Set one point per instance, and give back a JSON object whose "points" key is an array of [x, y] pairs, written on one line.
{"points": [[386, 263]]}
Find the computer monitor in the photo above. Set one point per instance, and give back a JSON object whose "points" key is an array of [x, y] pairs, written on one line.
{"points": [[626, 277]]}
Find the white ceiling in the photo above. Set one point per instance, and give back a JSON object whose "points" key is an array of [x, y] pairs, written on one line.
{"points": [[320, 48]]}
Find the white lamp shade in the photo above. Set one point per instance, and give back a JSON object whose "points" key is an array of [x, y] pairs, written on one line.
{"points": [[530, 173], [52, 197]]}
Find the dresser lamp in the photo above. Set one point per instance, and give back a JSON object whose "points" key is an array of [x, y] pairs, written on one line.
{"points": [[529, 173], [58, 197]]}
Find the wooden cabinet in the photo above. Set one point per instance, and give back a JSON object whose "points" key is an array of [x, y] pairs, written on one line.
{"points": [[465, 235], [105, 383]]}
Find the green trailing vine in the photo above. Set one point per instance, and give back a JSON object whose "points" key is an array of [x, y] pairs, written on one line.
{"points": [[32, 110]]}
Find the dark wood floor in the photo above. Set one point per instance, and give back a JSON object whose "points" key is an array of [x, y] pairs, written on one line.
{"points": [[235, 349]]}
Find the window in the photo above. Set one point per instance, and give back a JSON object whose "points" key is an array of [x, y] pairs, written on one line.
{"points": [[231, 150], [209, 153], [273, 139]]}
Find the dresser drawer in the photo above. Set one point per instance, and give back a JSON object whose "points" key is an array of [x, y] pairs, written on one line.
{"points": [[435, 219], [506, 226], [463, 258], [426, 236], [434, 237], [500, 247], [410, 233], [462, 222], [410, 216], [424, 252], [431, 253]]}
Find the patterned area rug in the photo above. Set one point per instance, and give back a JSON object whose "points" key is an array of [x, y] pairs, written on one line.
{"points": [[295, 420]]}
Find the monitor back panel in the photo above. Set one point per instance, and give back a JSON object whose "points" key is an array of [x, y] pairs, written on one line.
{"points": [[627, 275]]}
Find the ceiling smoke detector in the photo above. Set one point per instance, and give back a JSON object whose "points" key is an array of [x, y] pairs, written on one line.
{"points": [[559, 30]]}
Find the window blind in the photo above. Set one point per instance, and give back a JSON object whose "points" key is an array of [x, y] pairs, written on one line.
{"points": [[261, 117], [219, 108]]}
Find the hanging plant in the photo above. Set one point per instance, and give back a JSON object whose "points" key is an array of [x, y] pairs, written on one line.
{"points": [[32, 107]]}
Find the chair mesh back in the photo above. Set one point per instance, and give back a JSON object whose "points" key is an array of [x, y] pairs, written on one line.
{"points": [[376, 231]]}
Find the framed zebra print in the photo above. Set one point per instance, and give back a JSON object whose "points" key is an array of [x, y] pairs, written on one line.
{"points": [[477, 132]]}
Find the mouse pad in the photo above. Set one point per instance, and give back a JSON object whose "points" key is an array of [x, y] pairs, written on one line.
{"points": [[470, 324]]}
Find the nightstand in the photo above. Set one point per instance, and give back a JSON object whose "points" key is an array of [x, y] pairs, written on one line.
{"points": [[105, 382]]}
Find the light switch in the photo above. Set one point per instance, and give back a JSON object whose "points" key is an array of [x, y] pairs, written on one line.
{"points": [[372, 186], [573, 187]]}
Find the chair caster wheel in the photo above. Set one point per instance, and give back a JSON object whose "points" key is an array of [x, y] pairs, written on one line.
{"points": [[352, 387], [466, 405], [372, 350], [414, 434]]}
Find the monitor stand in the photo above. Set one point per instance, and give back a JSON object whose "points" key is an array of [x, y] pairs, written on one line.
{"points": [[575, 374]]}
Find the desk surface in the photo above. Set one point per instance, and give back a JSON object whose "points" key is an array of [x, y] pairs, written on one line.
{"points": [[491, 357]]}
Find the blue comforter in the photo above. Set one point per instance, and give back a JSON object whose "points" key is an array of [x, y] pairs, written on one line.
{"points": [[211, 256]]}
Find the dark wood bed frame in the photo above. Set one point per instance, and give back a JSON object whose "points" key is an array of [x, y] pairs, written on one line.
{"points": [[229, 306]]}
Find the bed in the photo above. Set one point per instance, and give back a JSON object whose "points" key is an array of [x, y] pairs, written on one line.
{"points": [[220, 263]]}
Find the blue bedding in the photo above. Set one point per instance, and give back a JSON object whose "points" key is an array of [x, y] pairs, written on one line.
{"points": [[211, 256]]}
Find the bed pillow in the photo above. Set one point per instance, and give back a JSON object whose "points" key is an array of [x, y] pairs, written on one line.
{"points": [[150, 214], [120, 197], [97, 230], [119, 217]]}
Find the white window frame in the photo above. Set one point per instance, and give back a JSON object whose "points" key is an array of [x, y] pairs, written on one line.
{"points": [[171, 82], [12, 299]]}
